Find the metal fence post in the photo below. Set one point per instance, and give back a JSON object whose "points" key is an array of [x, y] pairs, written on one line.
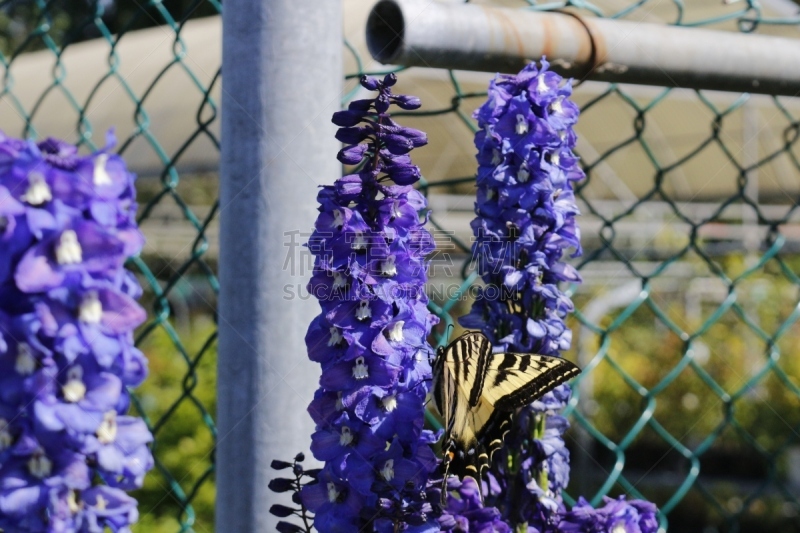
{"points": [[466, 36], [282, 72]]}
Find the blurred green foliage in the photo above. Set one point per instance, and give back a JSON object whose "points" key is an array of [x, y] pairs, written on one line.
{"points": [[727, 404], [171, 399], [30, 25]]}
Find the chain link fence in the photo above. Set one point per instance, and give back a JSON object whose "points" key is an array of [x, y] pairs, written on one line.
{"points": [[65, 65], [686, 324], [686, 321]]}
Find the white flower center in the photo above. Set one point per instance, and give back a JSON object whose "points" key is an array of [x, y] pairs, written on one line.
{"points": [[390, 403], [562, 135], [419, 356], [25, 364], [388, 470], [333, 494], [360, 370], [74, 389], [339, 281], [396, 209], [90, 310], [72, 502], [39, 465], [6, 439], [522, 125], [100, 176], [38, 191], [359, 241], [556, 107], [541, 86], [339, 403], [107, 432], [68, 249], [363, 312], [523, 175], [496, 159], [101, 503], [338, 219], [555, 159], [619, 527], [336, 336], [388, 267], [346, 437], [395, 333]]}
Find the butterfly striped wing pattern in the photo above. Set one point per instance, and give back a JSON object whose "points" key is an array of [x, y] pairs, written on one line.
{"points": [[477, 393]]}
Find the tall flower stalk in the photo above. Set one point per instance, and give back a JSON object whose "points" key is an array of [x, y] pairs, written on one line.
{"points": [[68, 452], [370, 251], [525, 224]]}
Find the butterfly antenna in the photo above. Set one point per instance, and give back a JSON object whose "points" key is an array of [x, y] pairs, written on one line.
{"points": [[420, 383], [450, 328], [444, 482], [447, 457]]}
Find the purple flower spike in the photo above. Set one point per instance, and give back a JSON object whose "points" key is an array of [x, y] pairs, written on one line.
{"points": [[67, 315], [370, 253], [525, 223]]}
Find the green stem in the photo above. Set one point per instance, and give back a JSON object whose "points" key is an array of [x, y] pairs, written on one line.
{"points": [[537, 433]]}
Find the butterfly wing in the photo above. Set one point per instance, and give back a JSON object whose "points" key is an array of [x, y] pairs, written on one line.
{"points": [[458, 366], [515, 380], [477, 393], [460, 371]]}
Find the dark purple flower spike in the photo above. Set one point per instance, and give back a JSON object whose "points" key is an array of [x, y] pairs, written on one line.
{"points": [[370, 251]]}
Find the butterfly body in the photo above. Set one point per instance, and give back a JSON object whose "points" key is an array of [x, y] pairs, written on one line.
{"points": [[477, 392]]}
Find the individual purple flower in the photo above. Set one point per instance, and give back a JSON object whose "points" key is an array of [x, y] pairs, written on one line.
{"points": [[615, 516], [67, 315], [525, 224], [370, 251], [335, 504], [465, 512], [39, 473]]}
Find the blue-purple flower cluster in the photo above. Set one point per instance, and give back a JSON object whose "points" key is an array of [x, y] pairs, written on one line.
{"points": [[68, 452], [370, 253], [616, 516], [525, 223], [464, 511], [526, 211]]}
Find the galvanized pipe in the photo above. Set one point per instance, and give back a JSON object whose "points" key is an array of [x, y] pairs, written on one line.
{"points": [[282, 81], [494, 39]]}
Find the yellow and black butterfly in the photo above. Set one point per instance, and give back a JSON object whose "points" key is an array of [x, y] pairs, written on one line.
{"points": [[477, 393]]}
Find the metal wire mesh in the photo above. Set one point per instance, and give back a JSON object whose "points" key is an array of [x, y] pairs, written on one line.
{"points": [[686, 325], [178, 401]]}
